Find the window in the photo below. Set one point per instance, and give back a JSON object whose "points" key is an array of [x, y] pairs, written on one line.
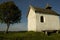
{"points": [[41, 19]]}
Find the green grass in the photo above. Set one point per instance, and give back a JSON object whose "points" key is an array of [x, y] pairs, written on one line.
{"points": [[28, 36]]}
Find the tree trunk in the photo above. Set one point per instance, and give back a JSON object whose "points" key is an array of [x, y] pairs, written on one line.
{"points": [[8, 24]]}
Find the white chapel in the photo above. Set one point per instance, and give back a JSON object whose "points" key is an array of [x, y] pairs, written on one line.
{"points": [[42, 19]]}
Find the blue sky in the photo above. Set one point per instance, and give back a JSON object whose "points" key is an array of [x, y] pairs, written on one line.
{"points": [[23, 5]]}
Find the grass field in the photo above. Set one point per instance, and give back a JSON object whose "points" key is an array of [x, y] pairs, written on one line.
{"points": [[28, 36]]}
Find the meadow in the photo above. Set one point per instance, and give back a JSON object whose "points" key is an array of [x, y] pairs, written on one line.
{"points": [[28, 36]]}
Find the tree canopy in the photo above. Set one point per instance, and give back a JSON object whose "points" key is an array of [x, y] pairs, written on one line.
{"points": [[9, 12]]}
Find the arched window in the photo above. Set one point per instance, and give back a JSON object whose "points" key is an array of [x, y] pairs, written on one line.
{"points": [[42, 19]]}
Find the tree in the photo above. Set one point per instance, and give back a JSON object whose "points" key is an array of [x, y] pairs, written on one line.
{"points": [[9, 14]]}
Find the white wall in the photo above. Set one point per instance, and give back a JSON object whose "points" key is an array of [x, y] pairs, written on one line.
{"points": [[31, 20], [51, 22]]}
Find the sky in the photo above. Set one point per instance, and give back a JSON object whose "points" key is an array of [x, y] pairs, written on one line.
{"points": [[23, 5]]}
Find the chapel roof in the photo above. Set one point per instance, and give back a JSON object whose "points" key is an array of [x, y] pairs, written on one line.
{"points": [[46, 10]]}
